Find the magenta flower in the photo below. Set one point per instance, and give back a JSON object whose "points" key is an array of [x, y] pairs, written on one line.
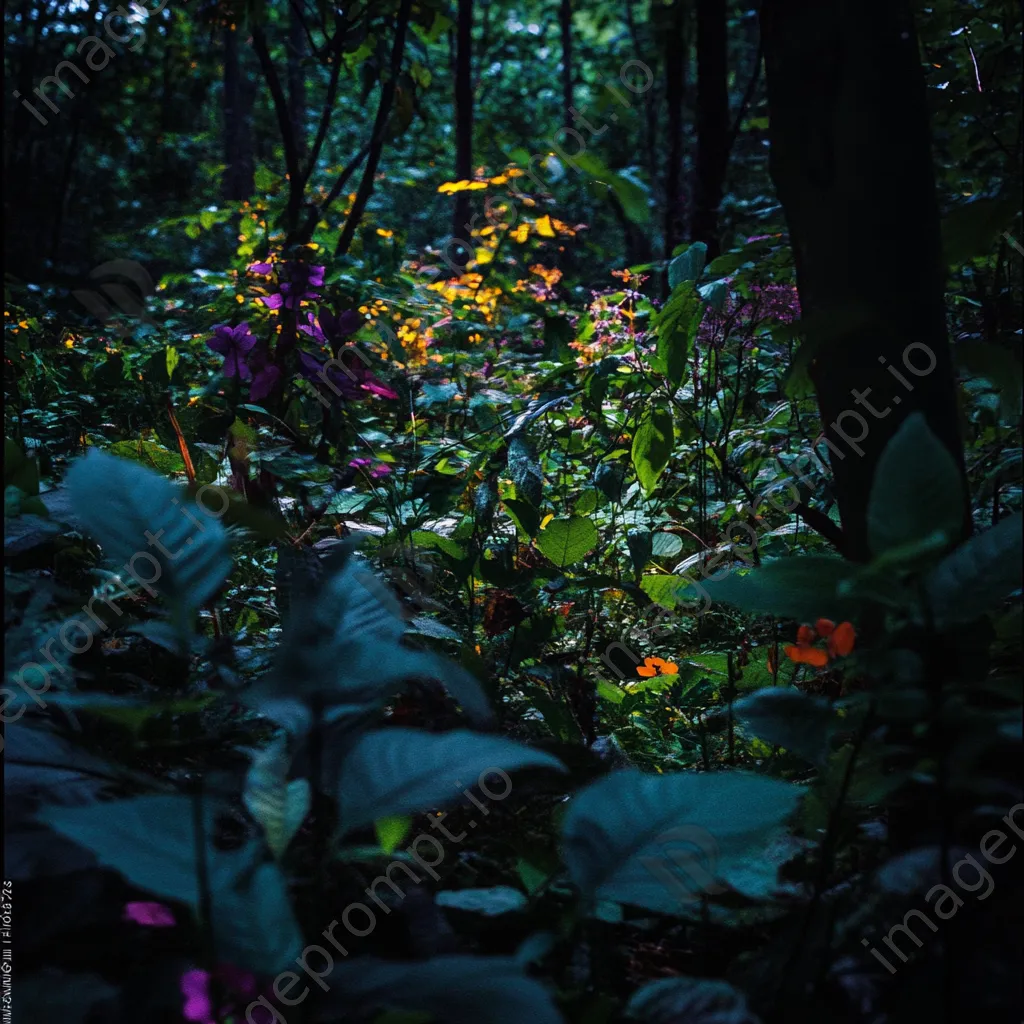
{"points": [[378, 472], [234, 344], [349, 385], [237, 985], [150, 915]]}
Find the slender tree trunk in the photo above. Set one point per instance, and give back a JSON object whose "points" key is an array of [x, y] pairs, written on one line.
{"points": [[565, 21], [296, 48], [463, 116], [675, 91], [238, 96], [851, 160], [713, 127]]}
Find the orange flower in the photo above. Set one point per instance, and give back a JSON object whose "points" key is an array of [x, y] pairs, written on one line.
{"points": [[840, 643], [806, 655], [657, 667]]}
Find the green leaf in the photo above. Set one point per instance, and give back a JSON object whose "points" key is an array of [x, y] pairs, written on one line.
{"points": [[172, 360], [688, 265], [150, 840], [971, 228], [333, 648], [694, 1000], [524, 515], [676, 325], [565, 541], [663, 589], [803, 588], [652, 446], [976, 576], [917, 489], [660, 841], [402, 771], [391, 831], [790, 719], [498, 899], [525, 471], [666, 545], [132, 511], [455, 989], [609, 479], [278, 805], [641, 547], [20, 470]]}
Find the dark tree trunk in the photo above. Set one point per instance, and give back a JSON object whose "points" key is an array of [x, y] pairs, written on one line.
{"points": [[296, 48], [238, 99], [463, 116], [712, 122], [565, 22], [376, 144], [851, 160], [675, 91]]}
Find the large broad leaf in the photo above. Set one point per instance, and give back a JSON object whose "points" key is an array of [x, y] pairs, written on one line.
{"points": [[794, 720], [660, 841], [253, 923], [804, 588], [141, 519], [688, 265], [565, 541], [917, 489], [151, 841], [676, 325], [343, 646], [977, 575], [652, 446], [455, 989], [400, 771], [279, 805], [693, 1000]]}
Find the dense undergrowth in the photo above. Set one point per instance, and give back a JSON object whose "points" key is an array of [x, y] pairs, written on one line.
{"points": [[390, 640]]}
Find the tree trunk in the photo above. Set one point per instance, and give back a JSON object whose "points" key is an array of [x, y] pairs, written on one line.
{"points": [[675, 91], [238, 97], [565, 21], [463, 116], [296, 48], [851, 160], [376, 144], [712, 122]]}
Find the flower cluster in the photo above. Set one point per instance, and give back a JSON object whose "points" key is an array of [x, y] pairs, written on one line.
{"points": [[840, 641], [296, 283]]}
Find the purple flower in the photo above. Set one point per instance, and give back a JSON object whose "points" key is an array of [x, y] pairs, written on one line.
{"points": [[348, 385], [261, 268], [265, 374], [150, 915], [234, 344], [339, 327], [295, 283]]}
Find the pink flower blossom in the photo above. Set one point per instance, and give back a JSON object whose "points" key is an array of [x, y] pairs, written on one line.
{"points": [[150, 915]]}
